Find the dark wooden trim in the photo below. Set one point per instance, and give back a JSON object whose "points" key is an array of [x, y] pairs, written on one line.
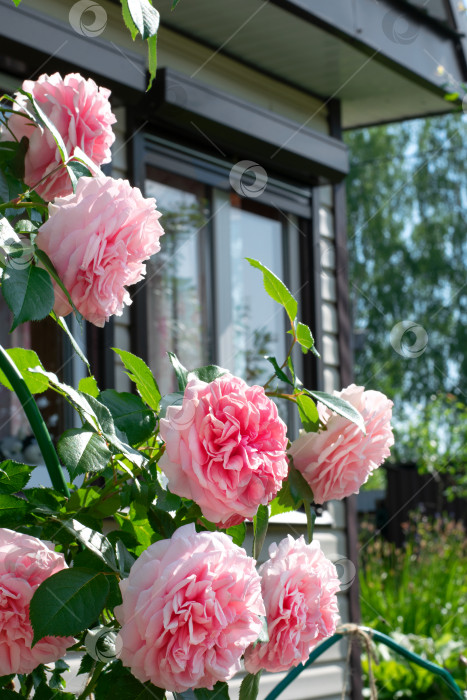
{"points": [[49, 37], [280, 145], [342, 263], [99, 342], [342, 286], [311, 299], [139, 308], [346, 376], [351, 524]]}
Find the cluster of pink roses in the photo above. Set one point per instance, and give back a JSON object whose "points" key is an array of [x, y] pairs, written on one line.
{"points": [[98, 237], [226, 448], [192, 606]]}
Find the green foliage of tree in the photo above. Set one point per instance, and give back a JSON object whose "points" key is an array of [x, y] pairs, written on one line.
{"points": [[407, 200]]}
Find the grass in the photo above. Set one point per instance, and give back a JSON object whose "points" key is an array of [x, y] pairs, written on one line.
{"points": [[418, 595]]}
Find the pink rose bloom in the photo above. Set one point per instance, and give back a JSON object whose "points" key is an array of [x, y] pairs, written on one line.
{"points": [[98, 239], [225, 448], [191, 606], [338, 460], [25, 562], [80, 110], [299, 586]]}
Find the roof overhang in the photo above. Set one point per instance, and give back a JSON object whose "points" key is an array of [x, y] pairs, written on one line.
{"points": [[177, 101], [385, 60]]}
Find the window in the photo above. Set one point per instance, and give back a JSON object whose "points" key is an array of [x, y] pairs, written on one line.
{"points": [[178, 318], [203, 300]]}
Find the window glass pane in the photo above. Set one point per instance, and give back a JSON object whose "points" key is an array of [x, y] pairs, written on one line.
{"points": [[258, 321], [176, 277]]}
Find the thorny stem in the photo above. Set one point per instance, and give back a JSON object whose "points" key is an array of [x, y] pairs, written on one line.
{"points": [[93, 681]]}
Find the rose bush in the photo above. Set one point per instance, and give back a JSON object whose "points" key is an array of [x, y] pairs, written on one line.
{"points": [[154, 595], [97, 239], [80, 111], [338, 459], [225, 448], [299, 586], [25, 562]]}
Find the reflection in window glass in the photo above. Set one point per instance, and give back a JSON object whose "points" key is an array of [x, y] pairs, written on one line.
{"points": [[258, 321], [176, 277]]}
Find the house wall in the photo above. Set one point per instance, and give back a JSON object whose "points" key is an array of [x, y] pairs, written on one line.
{"points": [[325, 679]]}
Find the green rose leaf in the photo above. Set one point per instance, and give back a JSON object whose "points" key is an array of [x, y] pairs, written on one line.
{"points": [[181, 372], [144, 16], [28, 292], [76, 169], [44, 121], [299, 489], [13, 476], [80, 401], [139, 372], [165, 500], [283, 502], [12, 509], [175, 399], [45, 692], [10, 694], [50, 267], [308, 413], [306, 339], [130, 414], [130, 25], [97, 543], [88, 385], [24, 361], [161, 522], [277, 289], [280, 374], [340, 406], [62, 323], [260, 527], [237, 533], [250, 686], [86, 665], [82, 450], [152, 59], [10, 188], [219, 692], [67, 603], [115, 676], [207, 374]]}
